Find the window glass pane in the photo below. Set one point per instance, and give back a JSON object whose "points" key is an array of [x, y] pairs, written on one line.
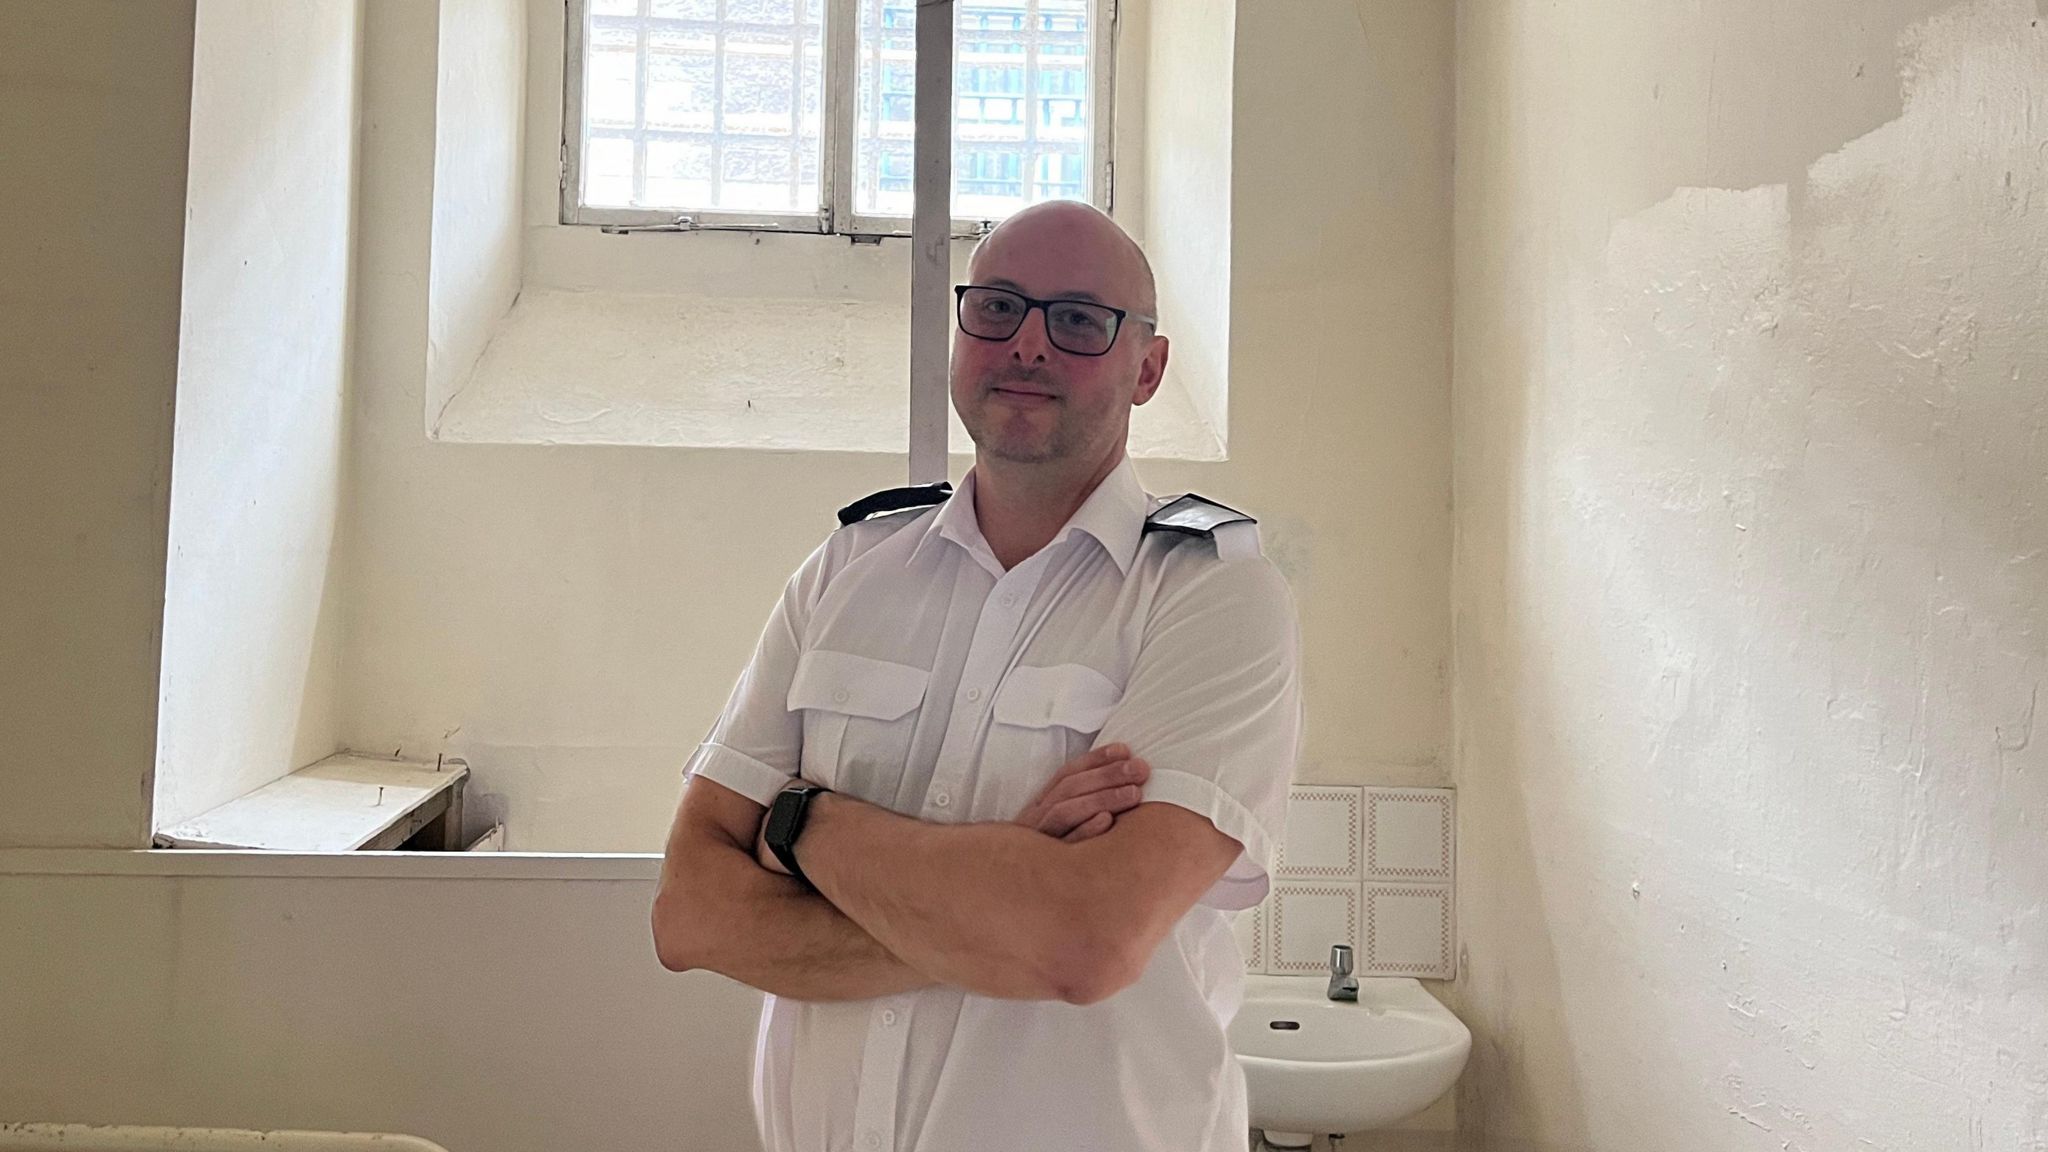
{"points": [[684, 9], [703, 106], [610, 76], [678, 172], [607, 170], [760, 11], [682, 81], [1021, 105]]}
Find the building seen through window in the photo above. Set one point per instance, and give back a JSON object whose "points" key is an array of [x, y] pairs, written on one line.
{"points": [[718, 105]]}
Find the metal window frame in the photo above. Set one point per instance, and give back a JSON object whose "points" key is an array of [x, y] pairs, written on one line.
{"points": [[837, 140], [570, 182]]}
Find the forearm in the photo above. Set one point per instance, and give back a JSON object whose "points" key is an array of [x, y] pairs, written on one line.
{"points": [[731, 916], [989, 907]]}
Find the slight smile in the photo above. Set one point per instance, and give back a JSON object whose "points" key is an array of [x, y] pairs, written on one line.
{"points": [[1025, 397]]}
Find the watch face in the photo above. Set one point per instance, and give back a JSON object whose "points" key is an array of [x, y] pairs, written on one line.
{"points": [[781, 815]]}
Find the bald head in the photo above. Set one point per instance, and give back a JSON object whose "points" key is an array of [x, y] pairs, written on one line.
{"points": [[1081, 238], [1031, 403]]}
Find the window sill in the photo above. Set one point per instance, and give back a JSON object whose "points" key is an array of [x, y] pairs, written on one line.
{"points": [[567, 366]]}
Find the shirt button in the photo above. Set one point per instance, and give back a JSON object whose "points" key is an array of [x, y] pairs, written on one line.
{"points": [[1009, 598], [839, 697], [872, 1140], [888, 1016], [942, 799], [974, 693]]}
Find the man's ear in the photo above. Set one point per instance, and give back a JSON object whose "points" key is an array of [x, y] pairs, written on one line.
{"points": [[1151, 371]]}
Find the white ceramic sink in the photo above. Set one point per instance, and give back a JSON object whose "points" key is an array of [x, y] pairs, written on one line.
{"points": [[1312, 1064]]}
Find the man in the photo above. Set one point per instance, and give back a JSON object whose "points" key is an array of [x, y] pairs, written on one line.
{"points": [[1054, 719]]}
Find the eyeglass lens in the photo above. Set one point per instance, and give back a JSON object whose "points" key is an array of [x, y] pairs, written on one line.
{"points": [[1072, 325]]}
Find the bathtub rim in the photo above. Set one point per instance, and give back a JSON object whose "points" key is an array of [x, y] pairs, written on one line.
{"points": [[601, 866]]}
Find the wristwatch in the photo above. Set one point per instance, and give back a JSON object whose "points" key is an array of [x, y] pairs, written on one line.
{"points": [[785, 822]]}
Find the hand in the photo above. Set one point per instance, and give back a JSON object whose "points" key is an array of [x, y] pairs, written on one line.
{"points": [[1084, 798]]}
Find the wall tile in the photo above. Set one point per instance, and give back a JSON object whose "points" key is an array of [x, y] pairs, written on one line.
{"points": [[1408, 931], [1410, 835], [1304, 919], [1322, 838]]}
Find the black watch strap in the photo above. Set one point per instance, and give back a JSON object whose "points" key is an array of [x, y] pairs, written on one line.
{"points": [[786, 816]]}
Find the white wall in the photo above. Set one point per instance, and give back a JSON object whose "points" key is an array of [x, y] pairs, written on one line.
{"points": [[1752, 573], [571, 617], [93, 117], [250, 663], [1186, 144], [479, 134], [524, 1013]]}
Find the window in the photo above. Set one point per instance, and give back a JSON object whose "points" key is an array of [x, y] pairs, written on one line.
{"points": [[797, 115]]}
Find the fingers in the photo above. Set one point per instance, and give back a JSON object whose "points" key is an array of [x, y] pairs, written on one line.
{"points": [[1071, 814], [1095, 779], [1094, 826], [1098, 783], [1093, 758]]}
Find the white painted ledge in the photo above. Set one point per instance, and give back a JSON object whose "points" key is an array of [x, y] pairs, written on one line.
{"points": [[569, 366], [637, 867]]}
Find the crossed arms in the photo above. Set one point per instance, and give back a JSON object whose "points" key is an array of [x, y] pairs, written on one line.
{"points": [[1066, 903], [1000, 909]]}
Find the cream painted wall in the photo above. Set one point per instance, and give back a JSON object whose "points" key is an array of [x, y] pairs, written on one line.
{"points": [[251, 652], [571, 618], [89, 281], [1751, 584], [478, 118], [518, 1014], [1185, 143]]}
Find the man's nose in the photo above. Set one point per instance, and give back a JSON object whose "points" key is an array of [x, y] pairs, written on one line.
{"points": [[1032, 344]]}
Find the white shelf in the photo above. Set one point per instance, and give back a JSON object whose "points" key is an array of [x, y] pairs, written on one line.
{"points": [[340, 804]]}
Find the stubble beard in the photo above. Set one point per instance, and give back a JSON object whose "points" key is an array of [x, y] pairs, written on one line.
{"points": [[990, 430]]}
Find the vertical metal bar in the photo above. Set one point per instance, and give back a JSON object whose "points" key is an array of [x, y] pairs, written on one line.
{"points": [[838, 132], [576, 38], [640, 106], [796, 99], [718, 43], [1105, 22], [1033, 31], [931, 227]]}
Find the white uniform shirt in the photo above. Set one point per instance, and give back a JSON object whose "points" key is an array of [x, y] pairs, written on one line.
{"points": [[904, 667]]}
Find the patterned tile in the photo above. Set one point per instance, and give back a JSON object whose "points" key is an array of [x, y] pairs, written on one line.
{"points": [[1321, 841], [1305, 918], [1410, 835], [1408, 931]]}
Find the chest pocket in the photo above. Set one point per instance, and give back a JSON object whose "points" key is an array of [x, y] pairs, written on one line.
{"points": [[859, 713], [1043, 717]]}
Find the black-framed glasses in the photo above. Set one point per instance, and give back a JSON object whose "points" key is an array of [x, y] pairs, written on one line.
{"points": [[1081, 327]]}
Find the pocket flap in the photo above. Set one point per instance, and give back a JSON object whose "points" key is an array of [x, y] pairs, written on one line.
{"points": [[855, 685], [1068, 695]]}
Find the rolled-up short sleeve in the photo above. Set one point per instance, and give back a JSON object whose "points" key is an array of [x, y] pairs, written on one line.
{"points": [[1213, 704], [756, 746]]}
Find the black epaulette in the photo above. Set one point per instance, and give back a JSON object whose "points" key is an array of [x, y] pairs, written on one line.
{"points": [[1195, 516], [895, 500]]}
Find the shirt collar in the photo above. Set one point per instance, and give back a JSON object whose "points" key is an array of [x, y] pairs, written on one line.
{"points": [[1114, 514]]}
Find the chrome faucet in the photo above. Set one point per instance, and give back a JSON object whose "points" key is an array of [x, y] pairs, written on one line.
{"points": [[1343, 985]]}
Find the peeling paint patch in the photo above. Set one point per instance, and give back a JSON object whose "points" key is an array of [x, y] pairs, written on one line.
{"points": [[1751, 600]]}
